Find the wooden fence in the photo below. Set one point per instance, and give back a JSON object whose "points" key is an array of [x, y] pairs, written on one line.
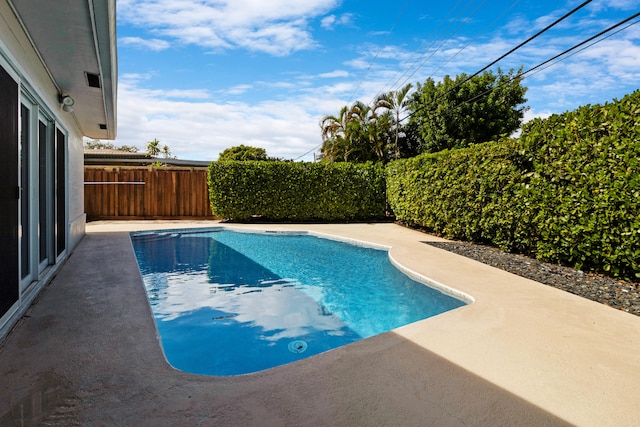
{"points": [[136, 192]]}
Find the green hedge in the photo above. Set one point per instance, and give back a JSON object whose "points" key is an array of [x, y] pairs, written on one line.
{"points": [[287, 191], [465, 194], [567, 191]]}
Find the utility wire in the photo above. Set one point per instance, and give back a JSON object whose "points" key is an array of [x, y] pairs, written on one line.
{"points": [[313, 149], [557, 21], [545, 29], [475, 38], [524, 74], [584, 48], [404, 6], [433, 42], [442, 44], [613, 27]]}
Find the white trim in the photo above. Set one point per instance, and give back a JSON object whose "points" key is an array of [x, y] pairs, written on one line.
{"points": [[33, 45], [7, 64]]}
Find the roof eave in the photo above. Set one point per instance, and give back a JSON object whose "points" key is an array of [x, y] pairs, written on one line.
{"points": [[76, 41], [104, 20]]}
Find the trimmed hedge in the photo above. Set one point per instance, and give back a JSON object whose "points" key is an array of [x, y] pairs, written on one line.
{"points": [[465, 194], [567, 191], [287, 191]]}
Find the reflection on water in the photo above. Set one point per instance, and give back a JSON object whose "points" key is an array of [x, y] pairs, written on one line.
{"points": [[229, 303]]}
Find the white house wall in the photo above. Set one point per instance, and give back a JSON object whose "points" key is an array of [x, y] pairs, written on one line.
{"points": [[22, 62], [77, 216]]}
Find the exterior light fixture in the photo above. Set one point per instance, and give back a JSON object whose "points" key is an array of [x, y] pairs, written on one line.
{"points": [[67, 103]]}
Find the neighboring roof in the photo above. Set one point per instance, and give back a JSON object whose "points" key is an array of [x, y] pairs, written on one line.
{"points": [[114, 154], [104, 157], [76, 41]]}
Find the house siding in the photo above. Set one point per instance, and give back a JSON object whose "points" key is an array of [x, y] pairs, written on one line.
{"points": [[19, 59]]}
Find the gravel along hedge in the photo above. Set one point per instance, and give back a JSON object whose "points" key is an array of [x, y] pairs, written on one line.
{"points": [[288, 191], [567, 190]]}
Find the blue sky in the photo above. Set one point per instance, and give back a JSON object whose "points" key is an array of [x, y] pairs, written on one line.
{"points": [[205, 75]]}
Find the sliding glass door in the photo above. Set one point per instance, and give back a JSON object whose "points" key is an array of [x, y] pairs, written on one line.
{"points": [[9, 192], [33, 172], [42, 226]]}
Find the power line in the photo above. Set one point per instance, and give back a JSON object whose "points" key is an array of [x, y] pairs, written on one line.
{"points": [[586, 47], [404, 6], [476, 37], [313, 149], [548, 27], [545, 29], [613, 27], [524, 74], [442, 44], [419, 57]]}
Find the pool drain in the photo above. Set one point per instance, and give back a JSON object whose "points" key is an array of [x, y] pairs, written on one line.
{"points": [[297, 346]]}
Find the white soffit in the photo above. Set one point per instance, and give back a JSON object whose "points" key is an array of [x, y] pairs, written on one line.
{"points": [[73, 38]]}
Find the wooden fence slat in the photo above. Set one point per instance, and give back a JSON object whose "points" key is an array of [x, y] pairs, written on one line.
{"points": [[112, 192]]}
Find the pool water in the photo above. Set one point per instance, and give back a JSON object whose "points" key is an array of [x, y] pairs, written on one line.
{"points": [[230, 303]]}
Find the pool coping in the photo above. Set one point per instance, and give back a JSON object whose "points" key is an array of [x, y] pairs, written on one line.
{"points": [[522, 351]]}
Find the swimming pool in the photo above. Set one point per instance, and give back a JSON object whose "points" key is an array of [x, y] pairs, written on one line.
{"points": [[232, 302]]}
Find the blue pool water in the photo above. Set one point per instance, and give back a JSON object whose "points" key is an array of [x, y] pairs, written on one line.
{"points": [[229, 303]]}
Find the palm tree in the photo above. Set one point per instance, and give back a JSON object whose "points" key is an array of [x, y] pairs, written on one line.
{"points": [[166, 152], [342, 134], [357, 134], [334, 134], [153, 148], [396, 102]]}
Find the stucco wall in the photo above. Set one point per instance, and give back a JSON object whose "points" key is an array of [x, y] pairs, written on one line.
{"points": [[21, 61], [19, 54], [77, 216]]}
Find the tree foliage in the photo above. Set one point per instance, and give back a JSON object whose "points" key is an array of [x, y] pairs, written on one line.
{"points": [[96, 144], [395, 102], [363, 133], [166, 152], [452, 113], [243, 153], [455, 113], [153, 148]]}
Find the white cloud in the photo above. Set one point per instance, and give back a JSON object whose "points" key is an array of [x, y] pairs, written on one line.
{"points": [[600, 5], [201, 130], [276, 27], [330, 22], [238, 89], [334, 74], [359, 63], [196, 124], [279, 85], [150, 44], [530, 115], [132, 80], [135, 77]]}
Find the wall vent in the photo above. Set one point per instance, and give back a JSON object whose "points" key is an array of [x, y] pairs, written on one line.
{"points": [[93, 80]]}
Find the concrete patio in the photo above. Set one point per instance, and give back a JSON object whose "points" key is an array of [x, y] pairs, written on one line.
{"points": [[86, 353]]}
